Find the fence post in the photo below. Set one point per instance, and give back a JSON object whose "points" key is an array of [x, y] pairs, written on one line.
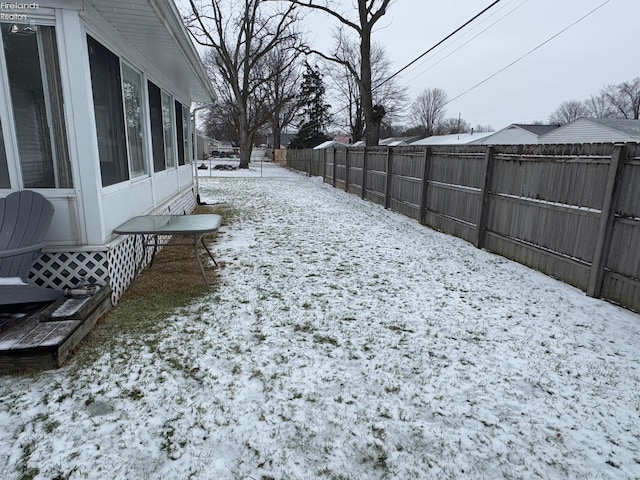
{"points": [[333, 180], [484, 198], [324, 165], [346, 170], [387, 192], [607, 217], [425, 184], [363, 191]]}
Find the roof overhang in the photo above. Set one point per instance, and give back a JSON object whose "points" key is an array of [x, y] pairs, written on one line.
{"points": [[156, 30]]}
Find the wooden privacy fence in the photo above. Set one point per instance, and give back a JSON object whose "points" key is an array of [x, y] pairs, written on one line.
{"points": [[569, 211]]}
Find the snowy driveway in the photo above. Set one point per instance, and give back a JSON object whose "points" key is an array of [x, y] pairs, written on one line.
{"points": [[345, 342]]}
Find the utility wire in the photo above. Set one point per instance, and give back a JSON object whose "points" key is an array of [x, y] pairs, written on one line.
{"points": [[439, 43], [529, 52], [465, 43]]}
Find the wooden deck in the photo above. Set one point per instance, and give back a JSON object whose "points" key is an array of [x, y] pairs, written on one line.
{"points": [[40, 336]]}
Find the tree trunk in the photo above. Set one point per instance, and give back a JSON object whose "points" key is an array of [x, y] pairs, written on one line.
{"points": [[372, 115], [245, 143], [276, 131]]}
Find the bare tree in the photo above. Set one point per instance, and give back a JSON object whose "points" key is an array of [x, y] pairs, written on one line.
{"points": [[453, 125], [369, 12], [599, 106], [241, 36], [568, 111], [346, 86], [483, 128], [282, 90], [624, 98], [428, 109], [219, 123]]}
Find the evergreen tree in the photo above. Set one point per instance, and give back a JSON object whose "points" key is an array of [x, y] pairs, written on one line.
{"points": [[315, 113]]}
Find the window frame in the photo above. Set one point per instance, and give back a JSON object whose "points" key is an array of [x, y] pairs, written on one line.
{"points": [[58, 157], [133, 176]]}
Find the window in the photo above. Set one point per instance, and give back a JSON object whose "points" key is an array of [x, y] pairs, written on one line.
{"points": [[132, 90], [180, 137], [162, 129], [167, 125], [36, 97], [4, 171], [186, 128], [108, 106], [157, 136]]}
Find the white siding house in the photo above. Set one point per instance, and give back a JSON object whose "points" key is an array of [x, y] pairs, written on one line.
{"points": [[95, 100], [595, 130], [516, 134]]}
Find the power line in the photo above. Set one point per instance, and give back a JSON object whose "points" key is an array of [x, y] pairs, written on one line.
{"points": [[528, 53], [439, 43], [466, 43]]}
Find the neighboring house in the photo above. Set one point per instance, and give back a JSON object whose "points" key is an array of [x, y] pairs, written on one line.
{"points": [[452, 139], [228, 147], [285, 140], [206, 145], [330, 144], [343, 139], [95, 100], [516, 134], [595, 130], [397, 141]]}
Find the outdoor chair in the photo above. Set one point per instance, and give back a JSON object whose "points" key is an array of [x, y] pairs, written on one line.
{"points": [[24, 220]]}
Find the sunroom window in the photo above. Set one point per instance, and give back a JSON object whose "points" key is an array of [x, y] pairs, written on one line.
{"points": [[186, 129], [167, 125], [180, 138], [132, 90], [4, 171], [157, 135], [31, 56], [109, 113]]}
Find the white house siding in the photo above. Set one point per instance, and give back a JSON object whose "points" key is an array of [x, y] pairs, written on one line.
{"points": [[583, 131], [80, 242], [115, 263]]}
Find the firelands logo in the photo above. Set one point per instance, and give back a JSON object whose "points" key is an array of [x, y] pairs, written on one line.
{"points": [[16, 11]]}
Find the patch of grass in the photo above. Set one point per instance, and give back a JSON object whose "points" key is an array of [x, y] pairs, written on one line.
{"points": [[174, 281], [326, 339]]}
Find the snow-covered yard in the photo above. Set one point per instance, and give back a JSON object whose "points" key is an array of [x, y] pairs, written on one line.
{"points": [[344, 342]]}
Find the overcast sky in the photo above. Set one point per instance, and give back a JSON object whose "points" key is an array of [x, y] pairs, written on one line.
{"points": [[603, 48]]}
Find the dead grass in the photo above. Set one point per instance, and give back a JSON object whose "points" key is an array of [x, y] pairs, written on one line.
{"points": [[174, 281], [175, 271]]}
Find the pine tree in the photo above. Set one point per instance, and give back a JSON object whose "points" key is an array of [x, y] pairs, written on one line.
{"points": [[315, 113]]}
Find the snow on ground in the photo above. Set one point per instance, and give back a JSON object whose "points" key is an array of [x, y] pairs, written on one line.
{"points": [[345, 342]]}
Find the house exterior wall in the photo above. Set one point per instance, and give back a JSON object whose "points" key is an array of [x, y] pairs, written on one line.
{"points": [[583, 131], [116, 263], [80, 242]]}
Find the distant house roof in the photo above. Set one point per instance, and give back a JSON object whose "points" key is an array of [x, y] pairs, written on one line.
{"points": [[330, 144], [453, 139], [516, 134], [536, 128], [632, 127], [285, 139], [395, 141], [593, 130]]}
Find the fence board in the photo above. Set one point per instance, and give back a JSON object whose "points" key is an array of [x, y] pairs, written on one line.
{"points": [[542, 202]]}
